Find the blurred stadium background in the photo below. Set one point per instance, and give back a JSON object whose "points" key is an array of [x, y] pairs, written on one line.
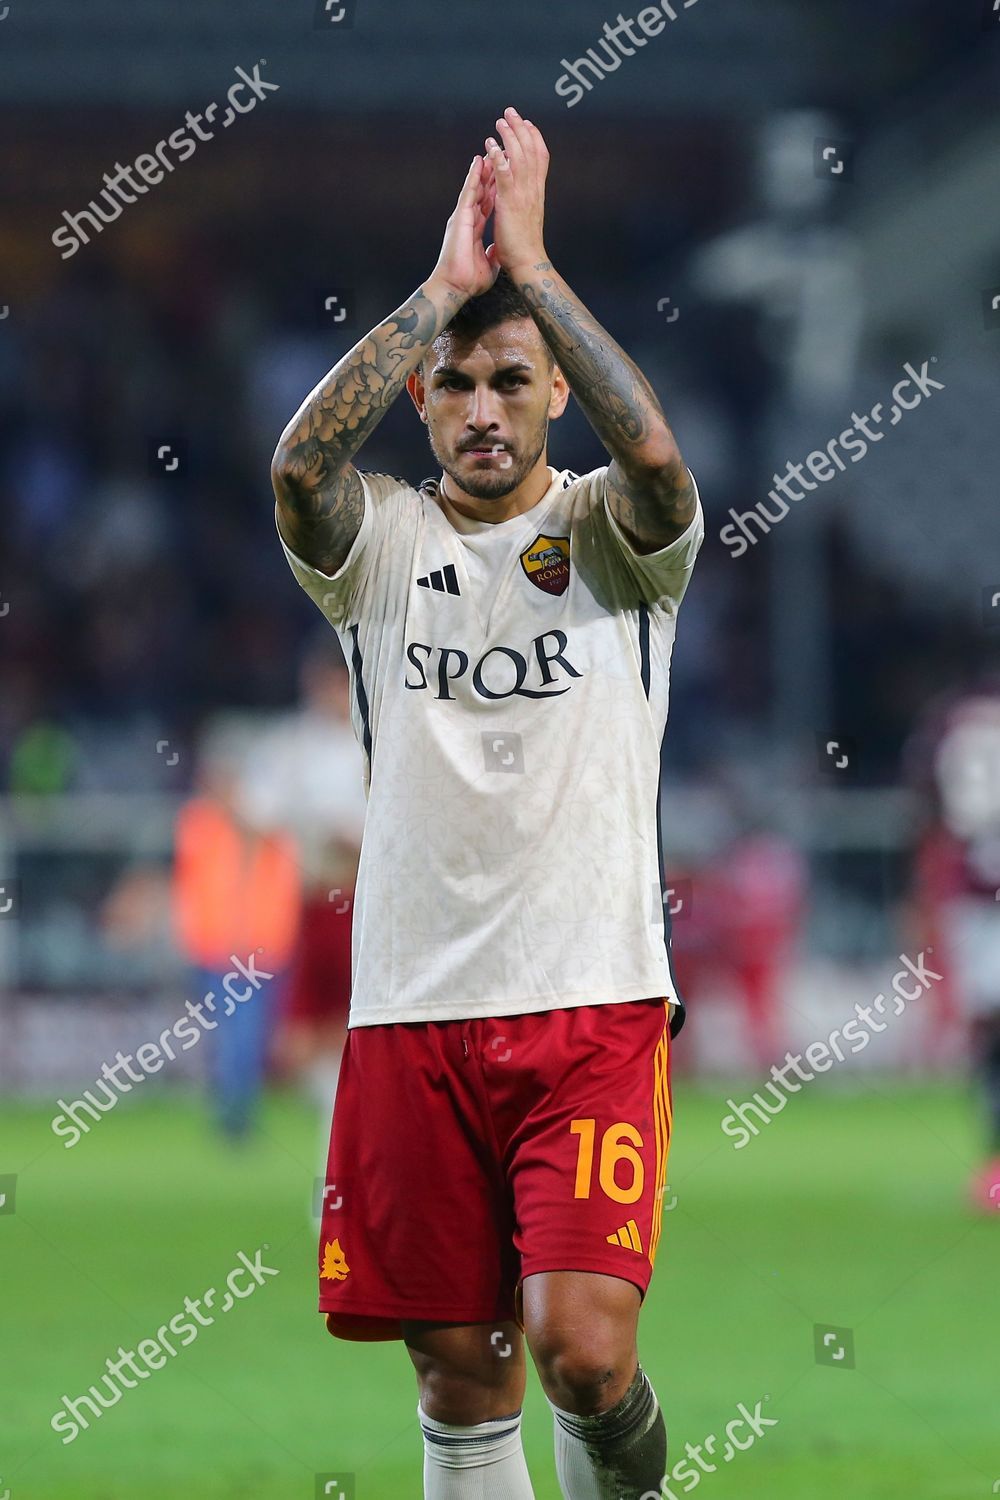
{"points": [[774, 207]]}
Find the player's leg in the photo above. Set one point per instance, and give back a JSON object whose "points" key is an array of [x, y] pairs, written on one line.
{"points": [[471, 1379], [416, 1242], [582, 1097], [610, 1437]]}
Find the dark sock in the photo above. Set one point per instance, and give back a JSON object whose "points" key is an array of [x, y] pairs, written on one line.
{"points": [[618, 1454]]}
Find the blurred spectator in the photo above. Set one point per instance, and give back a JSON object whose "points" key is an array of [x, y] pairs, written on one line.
{"points": [[305, 777], [759, 898], [236, 898], [955, 759], [741, 936]]}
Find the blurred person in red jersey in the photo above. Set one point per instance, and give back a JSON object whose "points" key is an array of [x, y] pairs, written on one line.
{"points": [[738, 911], [758, 902], [954, 759]]}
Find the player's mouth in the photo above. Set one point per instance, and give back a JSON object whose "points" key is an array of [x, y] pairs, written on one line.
{"points": [[495, 450]]}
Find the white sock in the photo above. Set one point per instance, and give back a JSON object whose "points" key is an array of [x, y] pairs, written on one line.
{"points": [[484, 1462]]}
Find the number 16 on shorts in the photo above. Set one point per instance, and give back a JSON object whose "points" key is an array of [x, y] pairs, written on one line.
{"points": [[617, 1163], [618, 1144]]}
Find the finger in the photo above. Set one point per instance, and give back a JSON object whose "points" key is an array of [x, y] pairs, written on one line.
{"points": [[485, 206], [499, 160], [536, 154], [513, 118], [536, 135], [527, 137], [512, 145], [488, 180], [470, 187]]}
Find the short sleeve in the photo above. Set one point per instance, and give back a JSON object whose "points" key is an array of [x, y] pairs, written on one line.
{"points": [[343, 596], [662, 577]]}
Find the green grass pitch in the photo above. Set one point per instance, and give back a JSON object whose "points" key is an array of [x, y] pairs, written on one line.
{"points": [[848, 1210]]}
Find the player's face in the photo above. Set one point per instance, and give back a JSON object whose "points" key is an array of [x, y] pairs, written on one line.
{"points": [[487, 406]]}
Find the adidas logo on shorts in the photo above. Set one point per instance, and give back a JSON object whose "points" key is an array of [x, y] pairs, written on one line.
{"points": [[627, 1237]]}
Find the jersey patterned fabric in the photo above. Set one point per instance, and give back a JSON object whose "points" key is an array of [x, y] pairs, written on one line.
{"points": [[510, 683]]}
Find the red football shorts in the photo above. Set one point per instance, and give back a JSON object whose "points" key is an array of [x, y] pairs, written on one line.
{"points": [[466, 1155]]}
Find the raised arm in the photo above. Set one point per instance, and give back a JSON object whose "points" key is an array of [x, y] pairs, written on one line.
{"points": [[320, 502], [650, 492]]}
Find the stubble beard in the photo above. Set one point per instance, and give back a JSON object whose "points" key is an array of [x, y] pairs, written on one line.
{"points": [[493, 484]]}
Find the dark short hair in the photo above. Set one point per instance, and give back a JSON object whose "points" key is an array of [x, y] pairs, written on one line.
{"points": [[501, 304]]}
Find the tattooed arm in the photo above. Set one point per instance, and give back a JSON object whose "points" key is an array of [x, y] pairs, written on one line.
{"points": [[319, 497], [650, 492], [320, 502]]}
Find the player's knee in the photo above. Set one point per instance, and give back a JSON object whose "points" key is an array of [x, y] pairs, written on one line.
{"points": [[465, 1378], [582, 1377], [448, 1395]]}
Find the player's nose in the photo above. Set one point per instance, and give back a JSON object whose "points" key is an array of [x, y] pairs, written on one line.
{"points": [[483, 410]]}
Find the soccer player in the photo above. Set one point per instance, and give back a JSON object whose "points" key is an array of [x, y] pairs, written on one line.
{"points": [[498, 1154]]}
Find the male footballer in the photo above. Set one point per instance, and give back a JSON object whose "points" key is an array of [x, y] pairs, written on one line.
{"points": [[499, 1145]]}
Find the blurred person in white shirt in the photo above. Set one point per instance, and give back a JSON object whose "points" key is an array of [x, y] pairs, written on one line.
{"points": [[306, 777]]}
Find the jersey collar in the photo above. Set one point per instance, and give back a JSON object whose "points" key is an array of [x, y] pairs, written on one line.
{"points": [[471, 526]]}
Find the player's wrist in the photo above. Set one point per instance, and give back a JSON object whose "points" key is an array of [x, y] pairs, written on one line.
{"points": [[444, 293], [527, 266]]}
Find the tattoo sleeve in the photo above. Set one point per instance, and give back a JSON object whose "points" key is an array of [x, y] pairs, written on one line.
{"points": [[650, 492], [320, 502]]}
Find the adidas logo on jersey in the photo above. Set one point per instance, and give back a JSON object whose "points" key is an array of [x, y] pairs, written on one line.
{"points": [[627, 1237], [442, 580]]}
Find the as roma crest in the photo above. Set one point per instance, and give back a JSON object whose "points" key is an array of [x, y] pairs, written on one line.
{"points": [[546, 563]]}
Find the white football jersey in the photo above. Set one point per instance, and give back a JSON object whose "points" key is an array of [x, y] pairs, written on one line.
{"points": [[509, 692]]}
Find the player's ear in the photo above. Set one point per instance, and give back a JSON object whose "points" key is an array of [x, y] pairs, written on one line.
{"points": [[560, 393], [415, 386]]}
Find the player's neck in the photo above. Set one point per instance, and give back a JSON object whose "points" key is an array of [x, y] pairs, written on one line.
{"points": [[528, 493]]}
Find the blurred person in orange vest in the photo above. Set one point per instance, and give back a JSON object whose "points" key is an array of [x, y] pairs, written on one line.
{"points": [[237, 904]]}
